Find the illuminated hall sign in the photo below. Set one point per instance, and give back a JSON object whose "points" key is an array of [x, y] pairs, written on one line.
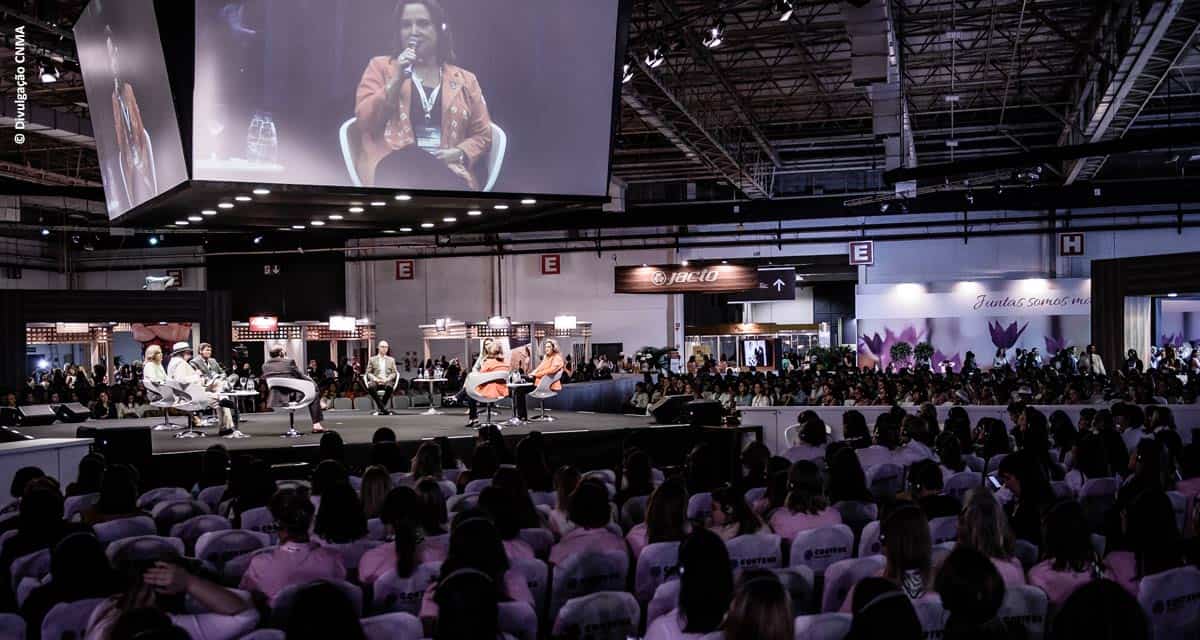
{"points": [[723, 278]]}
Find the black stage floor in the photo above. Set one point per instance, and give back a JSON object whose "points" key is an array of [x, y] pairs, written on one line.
{"points": [[355, 427]]}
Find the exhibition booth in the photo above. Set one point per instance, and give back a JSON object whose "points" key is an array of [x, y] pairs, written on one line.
{"points": [[759, 345]]}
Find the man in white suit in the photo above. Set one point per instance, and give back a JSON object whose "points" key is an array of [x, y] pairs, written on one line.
{"points": [[381, 378]]}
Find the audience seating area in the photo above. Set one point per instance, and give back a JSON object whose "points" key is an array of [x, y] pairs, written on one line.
{"points": [[508, 543]]}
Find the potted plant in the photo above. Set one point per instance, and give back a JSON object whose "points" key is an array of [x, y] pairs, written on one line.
{"points": [[922, 352], [901, 352]]}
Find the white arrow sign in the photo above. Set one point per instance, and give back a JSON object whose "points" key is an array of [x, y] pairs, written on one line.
{"points": [[778, 284]]}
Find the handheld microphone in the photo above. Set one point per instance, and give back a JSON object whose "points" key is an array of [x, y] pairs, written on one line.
{"points": [[408, 68]]}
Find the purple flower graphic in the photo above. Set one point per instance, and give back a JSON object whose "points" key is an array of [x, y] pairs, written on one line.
{"points": [[872, 346], [1054, 345], [1172, 340], [1005, 337], [881, 349], [939, 357]]}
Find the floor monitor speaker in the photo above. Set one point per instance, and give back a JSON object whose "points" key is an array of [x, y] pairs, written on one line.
{"points": [[37, 415], [72, 412]]}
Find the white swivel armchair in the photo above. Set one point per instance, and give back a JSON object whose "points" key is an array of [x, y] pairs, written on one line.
{"points": [[190, 399], [541, 392], [162, 397], [308, 392], [350, 139], [476, 379]]}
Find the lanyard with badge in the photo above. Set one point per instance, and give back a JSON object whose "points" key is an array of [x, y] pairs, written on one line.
{"points": [[431, 138]]}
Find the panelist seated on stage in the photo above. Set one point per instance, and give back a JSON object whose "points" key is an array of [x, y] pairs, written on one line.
{"points": [[279, 365], [180, 370], [152, 368], [552, 363], [381, 377], [206, 364], [492, 363]]}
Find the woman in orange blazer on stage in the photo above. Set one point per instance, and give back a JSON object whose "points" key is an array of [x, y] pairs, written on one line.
{"points": [[422, 120], [493, 362], [552, 363]]}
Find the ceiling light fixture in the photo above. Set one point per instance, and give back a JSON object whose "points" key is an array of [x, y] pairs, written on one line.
{"points": [[225, 205], [262, 192], [449, 219], [297, 226], [406, 229], [195, 219], [403, 197], [655, 58], [336, 216], [45, 232], [317, 223], [182, 223], [257, 240], [1172, 295], [153, 240], [49, 74], [714, 35], [243, 198], [501, 207], [208, 212], [356, 209], [379, 203], [426, 225], [474, 212], [389, 231], [528, 201]]}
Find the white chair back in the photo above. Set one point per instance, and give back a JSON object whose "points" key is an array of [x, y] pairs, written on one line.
{"points": [[477, 486], [885, 480], [856, 514], [800, 584], [1026, 552], [975, 463], [537, 578], [817, 549], [169, 513], [822, 626], [190, 530], [392, 626], [394, 593], [476, 379], [1179, 503], [68, 619], [699, 507], [306, 388], [376, 529], [159, 395], [608, 615], [932, 615], [127, 551], [147, 500], [1097, 496], [235, 567], [75, 505], [585, 574], [656, 564], [12, 626], [868, 542], [31, 565], [211, 496], [944, 529], [259, 519], [960, 483], [496, 156], [542, 390], [548, 498], [113, 530], [755, 551], [753, 494], [665, 600], [540, 540], [633, 512], [1028, 606], [844, 574], [281, 607], [1172, 601], [518, 619], [1062, 490], [219, 547], [608, 476], [993, 462]]}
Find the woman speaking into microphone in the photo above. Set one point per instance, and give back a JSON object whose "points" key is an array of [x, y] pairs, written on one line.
{"points": [[422, 119]]}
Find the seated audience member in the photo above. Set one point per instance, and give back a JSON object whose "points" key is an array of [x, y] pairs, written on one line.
{"points": [[498, 505], [908, 551], [806, 506], [731, 516], [332, 447], [90, 476], [214, 468], [376, 484], [1151, 536], [475, 546], [755, 462], [163, 586], [925, 488], [590, 513], [531, 462], [1023, 476], [950, 454], [21, 478], [103, 408], [1070, 560], [701, 469], [1101, 609], [637, 477], [847, 481], [78, 570], [995, 438], [813, 439], [854, 429], [525, 515], [666, 518], [40, 525], [983, 526], [483, 466], [886, 449], [774, 496], [322, 611], [431, 509], [705, 589], [407, 546], [340, 518], [881, 610], [972, 592], [450, 459], [468, 606], [427, 463], [296, 559], [1089, 460], [566, 479], [761, 609], [250, 487], [917, 438]]}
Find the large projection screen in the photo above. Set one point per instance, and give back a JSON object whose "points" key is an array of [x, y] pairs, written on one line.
{"points": [[505, 96], [133, 116]]}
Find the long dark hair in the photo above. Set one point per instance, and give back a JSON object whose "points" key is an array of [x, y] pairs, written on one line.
{"points": [[804, 488], [846, 478], [706, 581], [733, 504], [445, 40], [666, 513], [1152, 532], [399, 511]]}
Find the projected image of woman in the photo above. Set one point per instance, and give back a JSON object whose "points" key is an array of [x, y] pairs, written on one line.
{"points": [[422, 120], [138, 181]]}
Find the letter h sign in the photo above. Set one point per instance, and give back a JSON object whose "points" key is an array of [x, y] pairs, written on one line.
{"points": [[1070, 244]]}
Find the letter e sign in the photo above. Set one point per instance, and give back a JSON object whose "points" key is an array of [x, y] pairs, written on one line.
{"points": [[862, 252], [551, 264], [404, 270]]}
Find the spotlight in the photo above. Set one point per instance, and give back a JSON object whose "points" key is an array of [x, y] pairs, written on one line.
{"points": [[403, 197], [243, 198], [378, 203], [474, 212], [426, 225], [297, 227], [785, 9], [195, 219], [449, 219], [626, 73], [1172, 295], [182, 223], [405, 229], [262, 192], [257, 240], [336, 216], [528, 201], [356, 209], [655, 58], [49, 75], [225, 205], [45, 232], [714, 35], [501, 207], [317, 223], [724, 262], [208, 212], [153, 241]]}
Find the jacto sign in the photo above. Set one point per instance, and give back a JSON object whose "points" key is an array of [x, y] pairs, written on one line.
{"points": [[724, 278]]}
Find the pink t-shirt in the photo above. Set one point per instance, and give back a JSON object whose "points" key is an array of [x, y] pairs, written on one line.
{"points": [[1122, 568], [518, 548], [382, 559], [1058, 585], [669, 627], [637, 539], [292, 563], [514, 585], [1010, 570], [787, 523], [1189, 487], [579, 540]]}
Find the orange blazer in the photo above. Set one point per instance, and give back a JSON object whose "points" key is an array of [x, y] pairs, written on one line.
{"points": [[141, 185], [494, 390], [549, 367], [386, 127]]}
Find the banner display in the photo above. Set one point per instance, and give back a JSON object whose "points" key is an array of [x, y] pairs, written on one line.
{"points": [[1178, 322], [975, 316], [674, 278]]}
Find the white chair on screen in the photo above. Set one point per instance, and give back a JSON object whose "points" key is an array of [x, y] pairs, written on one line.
{"points": [[392, 626], [308, 394], [1172, 601], [755, 551], [656, 564], [822, 626], [69, 619], [541, 392], [817, 549], [113, 530], [844, 574], [75, 505], [585, 574], [604, 615], [350, 140], [944, 529], [1027, 605]]}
